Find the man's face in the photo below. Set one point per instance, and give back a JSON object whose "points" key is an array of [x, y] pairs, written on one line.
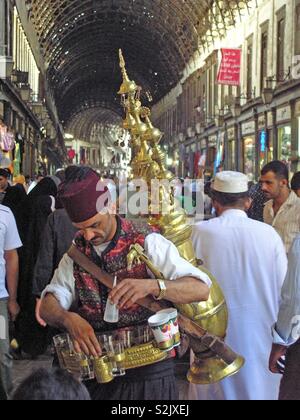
{"points": [[298, 193], [272, 186], [97, 230], [3, 182]]}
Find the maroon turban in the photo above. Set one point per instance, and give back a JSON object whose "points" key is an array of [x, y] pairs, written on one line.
{"points": [[85, 198]]}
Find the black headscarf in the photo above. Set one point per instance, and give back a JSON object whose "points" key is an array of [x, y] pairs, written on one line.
{"points": [[45, 187], [30, 335]]}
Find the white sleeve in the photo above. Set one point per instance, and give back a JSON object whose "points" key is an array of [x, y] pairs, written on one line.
{"points": [[165, 256], [12, 239], [62, 285]]}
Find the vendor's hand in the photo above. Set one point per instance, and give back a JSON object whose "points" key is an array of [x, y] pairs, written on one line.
{"points": [[129, 291], [13, 309], [83, 335], [41, 322], [276, 363]]}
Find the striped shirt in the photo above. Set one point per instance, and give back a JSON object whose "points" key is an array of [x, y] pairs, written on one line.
{"points": [[287, 220]]}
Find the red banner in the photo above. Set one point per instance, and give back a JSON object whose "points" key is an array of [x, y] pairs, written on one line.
{"points": [[230, 69]]}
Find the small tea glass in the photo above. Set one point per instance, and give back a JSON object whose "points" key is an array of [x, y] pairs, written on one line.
{"points": [[117, 356]]}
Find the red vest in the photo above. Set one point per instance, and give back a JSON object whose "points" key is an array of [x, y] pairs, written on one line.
{"points": [[92, 296]]}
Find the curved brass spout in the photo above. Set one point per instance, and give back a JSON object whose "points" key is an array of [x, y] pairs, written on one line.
{"points": [[136, 255]]}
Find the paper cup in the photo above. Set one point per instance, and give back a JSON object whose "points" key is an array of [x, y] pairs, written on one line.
{"points": [[161, 329], [173, 321]]}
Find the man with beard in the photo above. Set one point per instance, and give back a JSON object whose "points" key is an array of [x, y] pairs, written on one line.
{"points": [[282, 211], [106, 239]]}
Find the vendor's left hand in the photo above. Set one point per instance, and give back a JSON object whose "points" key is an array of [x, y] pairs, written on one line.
{"points": [[129, 291]]}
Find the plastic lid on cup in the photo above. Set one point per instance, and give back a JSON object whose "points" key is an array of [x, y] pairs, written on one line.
{"points": [[171, 312], [158, 319]]}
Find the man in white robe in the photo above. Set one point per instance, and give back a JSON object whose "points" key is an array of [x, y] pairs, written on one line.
{"points": [[248, 259]]}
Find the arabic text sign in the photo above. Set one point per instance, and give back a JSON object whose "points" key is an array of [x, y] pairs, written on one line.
{"points": [[230, 69]]}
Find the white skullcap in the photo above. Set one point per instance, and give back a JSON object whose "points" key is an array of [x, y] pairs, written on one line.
{"points": [[231, 182]]}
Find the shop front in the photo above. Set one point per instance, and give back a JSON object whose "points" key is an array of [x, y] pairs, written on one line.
{"points": [[284, 134], [7, 146], [262, 142], [231, 162], [249, 149], [270, 137]]}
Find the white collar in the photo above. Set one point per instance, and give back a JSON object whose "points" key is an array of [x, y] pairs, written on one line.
{"points": [[234, 213]]}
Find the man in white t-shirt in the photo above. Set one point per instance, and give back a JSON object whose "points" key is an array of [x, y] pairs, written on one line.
{"points": [[9, 269]]}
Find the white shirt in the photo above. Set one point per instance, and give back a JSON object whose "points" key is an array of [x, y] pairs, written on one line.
{"points": [[163, 254], [9, 240], [287, 329], [249, 262], [287, 220]]}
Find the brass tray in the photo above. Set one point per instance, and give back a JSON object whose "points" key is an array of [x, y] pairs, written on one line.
{"points": [[143, 355]]}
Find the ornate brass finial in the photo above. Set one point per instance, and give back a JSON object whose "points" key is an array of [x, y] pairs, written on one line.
{"points": [[128, 86], [123, 66]]}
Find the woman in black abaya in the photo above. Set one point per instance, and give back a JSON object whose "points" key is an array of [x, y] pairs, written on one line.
{"points": [[40, 203]]}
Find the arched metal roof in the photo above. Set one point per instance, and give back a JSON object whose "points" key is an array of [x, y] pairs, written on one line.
{"points": [[80, 40], [81, 124]]}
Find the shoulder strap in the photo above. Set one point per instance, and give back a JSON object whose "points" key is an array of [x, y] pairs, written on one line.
{"points": [[90, 267]]}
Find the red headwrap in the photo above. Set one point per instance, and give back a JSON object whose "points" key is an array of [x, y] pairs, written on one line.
{"points": [[84, 199]]}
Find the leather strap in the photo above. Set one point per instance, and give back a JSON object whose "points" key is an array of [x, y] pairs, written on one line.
{"points": [[90, 267]]}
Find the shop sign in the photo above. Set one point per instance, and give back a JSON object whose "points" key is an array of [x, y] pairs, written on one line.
{"points": [[212, 141], [263, 141], [230, 69], [283, 114], [248, 128], [261, 122], [297, 109]]}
